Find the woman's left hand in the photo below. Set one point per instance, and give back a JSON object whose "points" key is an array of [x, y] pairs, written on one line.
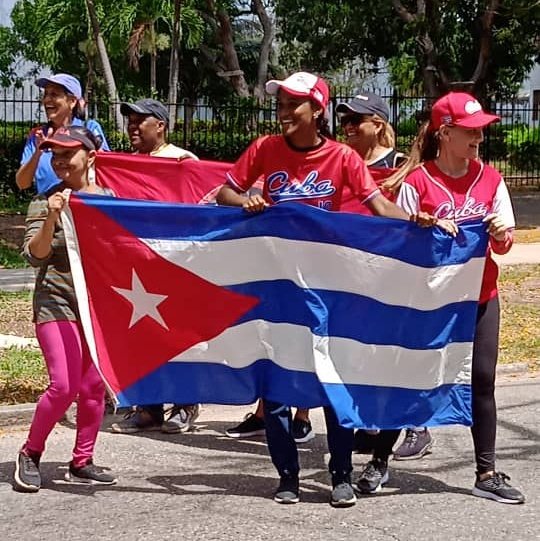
{"points": [[424, 219], [496, 226]]}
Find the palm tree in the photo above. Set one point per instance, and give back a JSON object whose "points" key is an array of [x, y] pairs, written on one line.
{"points": [[174, 64], [105, 62]]}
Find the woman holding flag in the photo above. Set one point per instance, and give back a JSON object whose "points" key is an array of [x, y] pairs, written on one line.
{"points": [[445, 177], [71, 371], [306, 166]]}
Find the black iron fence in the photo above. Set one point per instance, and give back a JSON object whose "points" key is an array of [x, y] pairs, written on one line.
{"points": [[223, 131]]}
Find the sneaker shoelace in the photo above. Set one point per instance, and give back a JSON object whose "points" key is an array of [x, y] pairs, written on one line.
{"points": [[177, 410], [30, 464], [131, 413], [497, 480], [411, 438], [372, 470]]}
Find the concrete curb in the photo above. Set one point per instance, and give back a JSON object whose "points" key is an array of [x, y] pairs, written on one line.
{"points": [[21, 414], [10, 340]]}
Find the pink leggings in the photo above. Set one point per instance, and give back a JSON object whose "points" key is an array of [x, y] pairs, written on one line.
{"points": [[71, 374]]}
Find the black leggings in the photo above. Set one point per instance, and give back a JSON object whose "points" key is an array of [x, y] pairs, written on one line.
{"points": [[484, 362]]}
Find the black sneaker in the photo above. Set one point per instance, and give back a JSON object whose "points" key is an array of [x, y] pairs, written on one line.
{"points": [[288, 490], [89, 474], [496, 488], [342, 492], [374, 476], [249, 427], [27, 477], [302, 431]]}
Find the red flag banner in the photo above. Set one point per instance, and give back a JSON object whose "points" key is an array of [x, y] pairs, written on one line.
{"points": [[140, 176]]}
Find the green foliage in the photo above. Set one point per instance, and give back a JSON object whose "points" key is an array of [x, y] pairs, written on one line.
{"points": [[523, 144], [331, 33], [12, 137], [407, 127], [57, 34], [10, 258]]}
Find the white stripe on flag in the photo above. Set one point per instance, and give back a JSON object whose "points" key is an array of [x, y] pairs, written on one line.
{"points": [[337, 268], [294, 347]]}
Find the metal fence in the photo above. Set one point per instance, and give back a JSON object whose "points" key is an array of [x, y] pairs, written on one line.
{"points": [[222, 131]]}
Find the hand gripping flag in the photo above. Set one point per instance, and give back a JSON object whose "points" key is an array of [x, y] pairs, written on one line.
{"points": [[190, 304]]}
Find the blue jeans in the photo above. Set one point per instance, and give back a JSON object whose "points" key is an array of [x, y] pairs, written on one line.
{"points": [[282, 447]]}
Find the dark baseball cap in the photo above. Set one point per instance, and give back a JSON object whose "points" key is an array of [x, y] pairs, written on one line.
{"points": [[69, 137], [68, 82], [365, 103], [147, 107]]}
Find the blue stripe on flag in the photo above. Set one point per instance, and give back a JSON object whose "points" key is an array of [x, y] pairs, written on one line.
{"points": [[218, 384], [347, 315], [295, 222]]}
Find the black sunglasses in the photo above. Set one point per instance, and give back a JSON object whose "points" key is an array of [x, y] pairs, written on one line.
{"points": [[354, 119]]}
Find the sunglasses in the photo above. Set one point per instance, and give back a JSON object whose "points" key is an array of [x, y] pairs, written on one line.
{"points": [[355, 119]]}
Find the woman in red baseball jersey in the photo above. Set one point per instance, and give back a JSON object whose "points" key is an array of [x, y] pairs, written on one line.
{"points": [[306, 166], [445, 177]]}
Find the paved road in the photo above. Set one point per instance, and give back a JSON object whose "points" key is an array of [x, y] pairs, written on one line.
{"points": [[204, 486]]}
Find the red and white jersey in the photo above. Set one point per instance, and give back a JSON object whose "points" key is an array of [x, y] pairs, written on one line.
{"points": [[480, 192], [314, 177]]}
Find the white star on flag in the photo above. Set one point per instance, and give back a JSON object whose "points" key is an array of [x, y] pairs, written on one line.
{"points": [[144, 303]]}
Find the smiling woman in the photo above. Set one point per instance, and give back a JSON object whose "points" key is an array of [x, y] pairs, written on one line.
{"points": [[72, 374], [63, 102]]}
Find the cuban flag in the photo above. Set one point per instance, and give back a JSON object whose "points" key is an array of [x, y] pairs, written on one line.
{"points": [[188, 303], [140, 176]]}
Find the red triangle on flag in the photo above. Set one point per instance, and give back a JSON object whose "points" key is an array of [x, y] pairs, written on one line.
{"points": [[145, 310]]}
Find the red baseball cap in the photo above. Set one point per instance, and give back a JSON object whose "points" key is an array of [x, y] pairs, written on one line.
{"points": [[460, 109], [302, 84], [69, 137]]}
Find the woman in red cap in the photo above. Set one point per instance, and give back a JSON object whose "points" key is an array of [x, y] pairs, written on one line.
{"points": [[306, 166], [56, 317], [445, 177]]}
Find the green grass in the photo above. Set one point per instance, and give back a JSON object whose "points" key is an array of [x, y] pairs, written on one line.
{"points": [[519, 338], [10, 258], [22, 375], [12, 203]]}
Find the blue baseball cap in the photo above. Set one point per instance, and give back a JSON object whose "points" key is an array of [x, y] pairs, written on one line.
{"points": [[366, 103], [148, 107], [70, 83]]}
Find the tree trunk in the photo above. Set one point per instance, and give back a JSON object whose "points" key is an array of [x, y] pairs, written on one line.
{"points": [[104, 58], [153, 60], [486, 41], [174, 63], [233, 73], [266, 48]]}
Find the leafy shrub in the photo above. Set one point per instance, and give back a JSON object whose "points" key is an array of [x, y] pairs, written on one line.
{"points": [[523, 144], [407, 127]]}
